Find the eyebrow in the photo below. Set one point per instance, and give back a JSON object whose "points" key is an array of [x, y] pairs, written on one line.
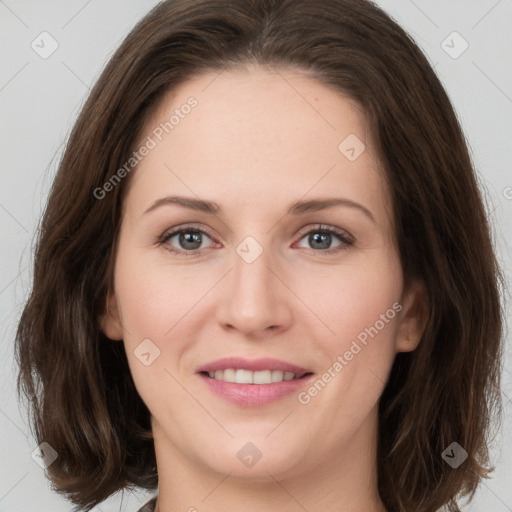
{"points": [[297, 208]]}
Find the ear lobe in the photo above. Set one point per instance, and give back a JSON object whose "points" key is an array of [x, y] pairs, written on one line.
{"points": [[413, 317], [110, 322]]}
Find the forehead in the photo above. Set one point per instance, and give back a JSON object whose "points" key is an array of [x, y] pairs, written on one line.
{"points": [[272, 132], [261, 110]]}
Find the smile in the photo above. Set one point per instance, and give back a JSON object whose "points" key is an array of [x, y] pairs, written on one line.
{"points": [[240, 376]]}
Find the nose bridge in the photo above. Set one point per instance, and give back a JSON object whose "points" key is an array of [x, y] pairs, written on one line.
{"points": [[253, 301], [252, 277]]}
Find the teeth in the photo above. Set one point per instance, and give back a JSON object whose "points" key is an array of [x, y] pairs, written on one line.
{"points": [[248, 377]]}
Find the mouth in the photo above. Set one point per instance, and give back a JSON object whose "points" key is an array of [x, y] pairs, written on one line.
{"points": [[241, 376], [253, 382]]}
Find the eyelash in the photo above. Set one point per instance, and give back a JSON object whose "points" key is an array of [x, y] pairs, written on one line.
{"points": [[346, 240]]}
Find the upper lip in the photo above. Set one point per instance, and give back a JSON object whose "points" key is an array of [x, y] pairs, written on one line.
{"points": [[254, 365]]}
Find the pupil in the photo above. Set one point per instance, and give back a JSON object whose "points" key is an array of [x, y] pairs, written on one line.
{"points": [[190, 237], [322, 240]]}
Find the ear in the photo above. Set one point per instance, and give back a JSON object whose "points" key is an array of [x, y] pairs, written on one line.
{"points": [[110, 320], [412, 317]]}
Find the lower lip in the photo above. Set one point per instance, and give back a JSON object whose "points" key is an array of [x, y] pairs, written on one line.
{"points": [[254, 395]]}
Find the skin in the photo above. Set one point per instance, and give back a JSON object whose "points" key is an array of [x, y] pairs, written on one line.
{"points": [[259, 140]]}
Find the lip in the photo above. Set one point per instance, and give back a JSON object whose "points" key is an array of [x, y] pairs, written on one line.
{"points": [[253, 395], [254, 365]]}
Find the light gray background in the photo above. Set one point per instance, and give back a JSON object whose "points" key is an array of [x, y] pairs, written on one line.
{"points": [[40, 98]]}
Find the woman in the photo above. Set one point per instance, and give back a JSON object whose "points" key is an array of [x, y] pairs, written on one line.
{"points": [[265, 271]]}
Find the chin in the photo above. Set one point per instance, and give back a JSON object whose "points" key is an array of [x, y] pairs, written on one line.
{"points": [[254, 457]]}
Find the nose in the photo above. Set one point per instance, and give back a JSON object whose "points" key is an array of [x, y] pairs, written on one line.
{"points": [[254, 299]]}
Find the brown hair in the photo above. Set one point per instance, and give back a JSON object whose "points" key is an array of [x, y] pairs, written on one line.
{"points": [[82, 398]]}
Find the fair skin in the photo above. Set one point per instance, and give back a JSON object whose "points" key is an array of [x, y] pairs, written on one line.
{"points": [[254, 144]]}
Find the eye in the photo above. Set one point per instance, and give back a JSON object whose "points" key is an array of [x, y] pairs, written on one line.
{"points": [[191, 241], [186, 240], [321, 238]]}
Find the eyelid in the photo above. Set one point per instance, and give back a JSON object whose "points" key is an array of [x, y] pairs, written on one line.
{"points": [[191, 226]]}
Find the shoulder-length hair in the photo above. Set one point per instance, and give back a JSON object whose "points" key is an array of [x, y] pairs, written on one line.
{"points": [[82, 398]]}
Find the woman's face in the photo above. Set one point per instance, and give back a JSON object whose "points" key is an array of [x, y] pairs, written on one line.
{"points": [[263, 163]]}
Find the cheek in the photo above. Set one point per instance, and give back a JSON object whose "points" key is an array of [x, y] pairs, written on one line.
{"points": [[150, 304], [153, 297], [155, 305], [357, 303], [361, 306]]}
